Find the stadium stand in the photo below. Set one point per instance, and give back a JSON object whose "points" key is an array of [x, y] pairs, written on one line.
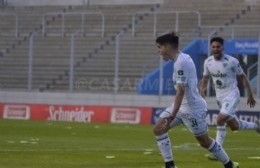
{"points": [[94, 55]]}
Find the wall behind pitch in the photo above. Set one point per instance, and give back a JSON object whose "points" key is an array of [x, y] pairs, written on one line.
{"points": [[78, 2]]}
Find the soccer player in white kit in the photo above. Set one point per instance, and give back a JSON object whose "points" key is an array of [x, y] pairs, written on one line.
{"points": [[189, 108], [224, 70]]}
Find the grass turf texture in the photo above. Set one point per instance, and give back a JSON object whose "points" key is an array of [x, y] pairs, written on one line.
{"points": [[34, 144]]}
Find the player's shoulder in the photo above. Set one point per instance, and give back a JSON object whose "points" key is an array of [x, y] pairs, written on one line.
{"points": [[231, 59], [183, 61], [209, 59], [184, 58]]}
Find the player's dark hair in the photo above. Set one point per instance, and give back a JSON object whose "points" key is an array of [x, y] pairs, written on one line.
{"points": [[217, 39], [169, 38]]}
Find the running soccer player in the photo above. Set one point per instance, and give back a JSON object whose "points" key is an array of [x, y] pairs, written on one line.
{"points": [[189, 108], [224, 70]]}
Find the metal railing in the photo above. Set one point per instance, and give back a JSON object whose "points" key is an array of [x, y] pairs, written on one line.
{"points": [[30, 60], [232, 29], [83, 22], [16, 21], [252, 71], [155, 19], [117, 58], [72, 58]]}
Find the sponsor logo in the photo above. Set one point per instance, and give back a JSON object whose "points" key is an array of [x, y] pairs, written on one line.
{"points": [[125, 115], [180, 72], [212, 116], [246, 45], [79, 114], [219, 75], [21, 112]]}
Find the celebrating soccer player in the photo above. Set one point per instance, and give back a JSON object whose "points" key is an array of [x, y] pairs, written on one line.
{"points": [[189, 108], [224, 70]]}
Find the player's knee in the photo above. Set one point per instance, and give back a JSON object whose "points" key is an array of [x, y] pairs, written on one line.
{"points": [[204, 144], [204, 141], [234, 127], [157, 130], [220, 121]]}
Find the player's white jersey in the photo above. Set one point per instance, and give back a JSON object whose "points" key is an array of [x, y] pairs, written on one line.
{"points": [[184, 74], [224, 73]]}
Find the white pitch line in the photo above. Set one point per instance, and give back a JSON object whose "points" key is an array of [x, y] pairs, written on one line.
{"points": [[116, 150]]}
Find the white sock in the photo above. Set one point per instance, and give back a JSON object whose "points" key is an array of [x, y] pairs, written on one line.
{"points": [[221, 134], [216, 149], [245, 125], [165, 147]]}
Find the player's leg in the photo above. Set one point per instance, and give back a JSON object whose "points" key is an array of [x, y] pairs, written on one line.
{"points": [[220, 134], [227, 115], [162, 138], [197, 124], [216, 149], [221, 127]]}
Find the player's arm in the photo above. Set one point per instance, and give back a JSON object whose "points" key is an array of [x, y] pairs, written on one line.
{"points": [[205, 79], [250, 100], [180, 90], [203, 85], [181, 77]]}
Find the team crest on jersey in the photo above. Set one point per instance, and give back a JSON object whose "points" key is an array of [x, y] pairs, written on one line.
{"points": [[227, 105], [180, 72], [225, 64]]}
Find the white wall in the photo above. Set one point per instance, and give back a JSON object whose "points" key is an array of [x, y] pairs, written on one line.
{"points": [[102, 99], [78, 2]]}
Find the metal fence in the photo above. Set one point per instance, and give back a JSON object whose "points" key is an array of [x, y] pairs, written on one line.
{"points": [[157, 13], [232, 31], [83, 22]]}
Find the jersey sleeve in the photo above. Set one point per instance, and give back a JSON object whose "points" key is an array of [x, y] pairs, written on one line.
{"points": [[181, 74], [205, 69], [238, 69]]}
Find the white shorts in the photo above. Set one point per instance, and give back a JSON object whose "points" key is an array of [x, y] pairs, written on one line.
{"points": [[228, 104], [195, 122]]}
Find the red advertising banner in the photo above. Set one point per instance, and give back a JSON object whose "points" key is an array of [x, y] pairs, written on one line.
{"points": [[76, 113], [131, 115], [1, 110]]}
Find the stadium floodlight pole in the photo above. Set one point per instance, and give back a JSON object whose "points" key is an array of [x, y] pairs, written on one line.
{"points": [[117, 58], [30, 60]]}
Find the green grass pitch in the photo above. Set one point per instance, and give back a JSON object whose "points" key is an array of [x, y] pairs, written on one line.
{"points": [[36, 144]]}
